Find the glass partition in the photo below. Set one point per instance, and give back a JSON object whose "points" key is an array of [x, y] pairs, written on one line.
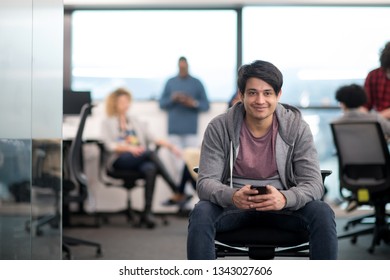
{"points": [[15, 129], [30, 128], [46, 129], [15, 201]]}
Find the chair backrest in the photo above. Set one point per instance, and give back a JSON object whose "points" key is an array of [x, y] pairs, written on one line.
{"points": [[363, 155], [74, 157]]}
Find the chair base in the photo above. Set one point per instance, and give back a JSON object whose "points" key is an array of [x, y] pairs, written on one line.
{"points": [[36, 226], [379, 234], [71, 241], [380, 230], [262, 243], [261, 252]]}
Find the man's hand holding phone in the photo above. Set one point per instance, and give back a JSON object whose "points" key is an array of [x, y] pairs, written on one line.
{"points": [[260, 189], [268, 198]]}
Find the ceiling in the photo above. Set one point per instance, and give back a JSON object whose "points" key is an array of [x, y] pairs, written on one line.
{"points": [[215, 3]]}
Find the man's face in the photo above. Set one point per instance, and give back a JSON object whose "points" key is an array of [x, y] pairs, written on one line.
{"points": [[183, 68], [260, 100]]}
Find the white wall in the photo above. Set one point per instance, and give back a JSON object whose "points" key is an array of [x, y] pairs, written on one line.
{"points": [[148, 111]]}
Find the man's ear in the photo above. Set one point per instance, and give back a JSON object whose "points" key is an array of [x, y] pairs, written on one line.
{"points": [[240, 95]]}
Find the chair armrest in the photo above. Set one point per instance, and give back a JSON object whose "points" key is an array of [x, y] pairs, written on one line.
{"points": [[325, 173]]}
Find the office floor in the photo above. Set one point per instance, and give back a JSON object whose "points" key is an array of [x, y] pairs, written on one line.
{"points": [[120, 241]]}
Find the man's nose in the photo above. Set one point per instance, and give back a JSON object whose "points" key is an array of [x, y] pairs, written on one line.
{"points": [[260, 98]]}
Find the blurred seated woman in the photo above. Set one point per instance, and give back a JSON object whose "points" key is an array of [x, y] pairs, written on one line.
{"points": [[127, 139]]}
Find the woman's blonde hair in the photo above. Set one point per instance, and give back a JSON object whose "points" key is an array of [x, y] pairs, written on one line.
{"points": [[111, 101]]}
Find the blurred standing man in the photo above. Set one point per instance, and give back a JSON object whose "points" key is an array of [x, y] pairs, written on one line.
{"points": [[377, 85], [183, 98]]}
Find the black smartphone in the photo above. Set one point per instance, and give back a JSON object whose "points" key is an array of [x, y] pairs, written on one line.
{"points": [[260, 189]]}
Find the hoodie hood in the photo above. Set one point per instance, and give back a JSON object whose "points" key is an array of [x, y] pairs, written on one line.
{"points": [[289, 118]]}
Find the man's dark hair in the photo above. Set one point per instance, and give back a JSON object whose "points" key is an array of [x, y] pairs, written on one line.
{"points": [[182, 58], [385, 57], [263, 70], [352, 96]]}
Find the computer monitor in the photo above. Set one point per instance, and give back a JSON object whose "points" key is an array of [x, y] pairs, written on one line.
{"points": [[73, 101]]}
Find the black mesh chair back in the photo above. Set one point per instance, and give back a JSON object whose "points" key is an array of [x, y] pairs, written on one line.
{"points": [[74, 157], [363, 155], [364, 171]]}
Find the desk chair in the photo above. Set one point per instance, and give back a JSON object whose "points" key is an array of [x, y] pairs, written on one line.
{"points": [[263, 243], [127, 179], [77, 179], [45, 180], [364, 171]]}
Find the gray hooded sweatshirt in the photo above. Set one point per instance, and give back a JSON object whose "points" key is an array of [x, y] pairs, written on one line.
{"points": [[296, 158]]}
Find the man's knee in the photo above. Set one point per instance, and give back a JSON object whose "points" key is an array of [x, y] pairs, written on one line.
{"points": [[204, 212], [325, 209], [320, 210]]}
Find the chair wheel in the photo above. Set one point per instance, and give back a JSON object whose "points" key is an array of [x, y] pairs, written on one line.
{"points": [[99, 253], [67, 256]]}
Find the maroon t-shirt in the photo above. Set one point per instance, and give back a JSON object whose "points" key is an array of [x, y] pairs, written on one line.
{"points": [[256, 156]]}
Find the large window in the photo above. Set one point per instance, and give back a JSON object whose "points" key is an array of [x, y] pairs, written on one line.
{"points": [[139, 49], [317, 48]]}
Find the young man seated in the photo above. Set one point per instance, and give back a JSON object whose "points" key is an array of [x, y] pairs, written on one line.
{"points": [[260, 141]]}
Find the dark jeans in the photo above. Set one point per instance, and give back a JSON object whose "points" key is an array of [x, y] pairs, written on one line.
{"points": [[207, 218], [150, 166], [127, 161], [146, 161]]}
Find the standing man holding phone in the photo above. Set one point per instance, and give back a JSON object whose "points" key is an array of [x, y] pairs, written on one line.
{"points": [[183, 98]]}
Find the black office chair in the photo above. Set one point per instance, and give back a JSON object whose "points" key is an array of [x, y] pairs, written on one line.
{"points": [[76, 181], [43, 179], [263, 242], [127, 179], [364, 170]]}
